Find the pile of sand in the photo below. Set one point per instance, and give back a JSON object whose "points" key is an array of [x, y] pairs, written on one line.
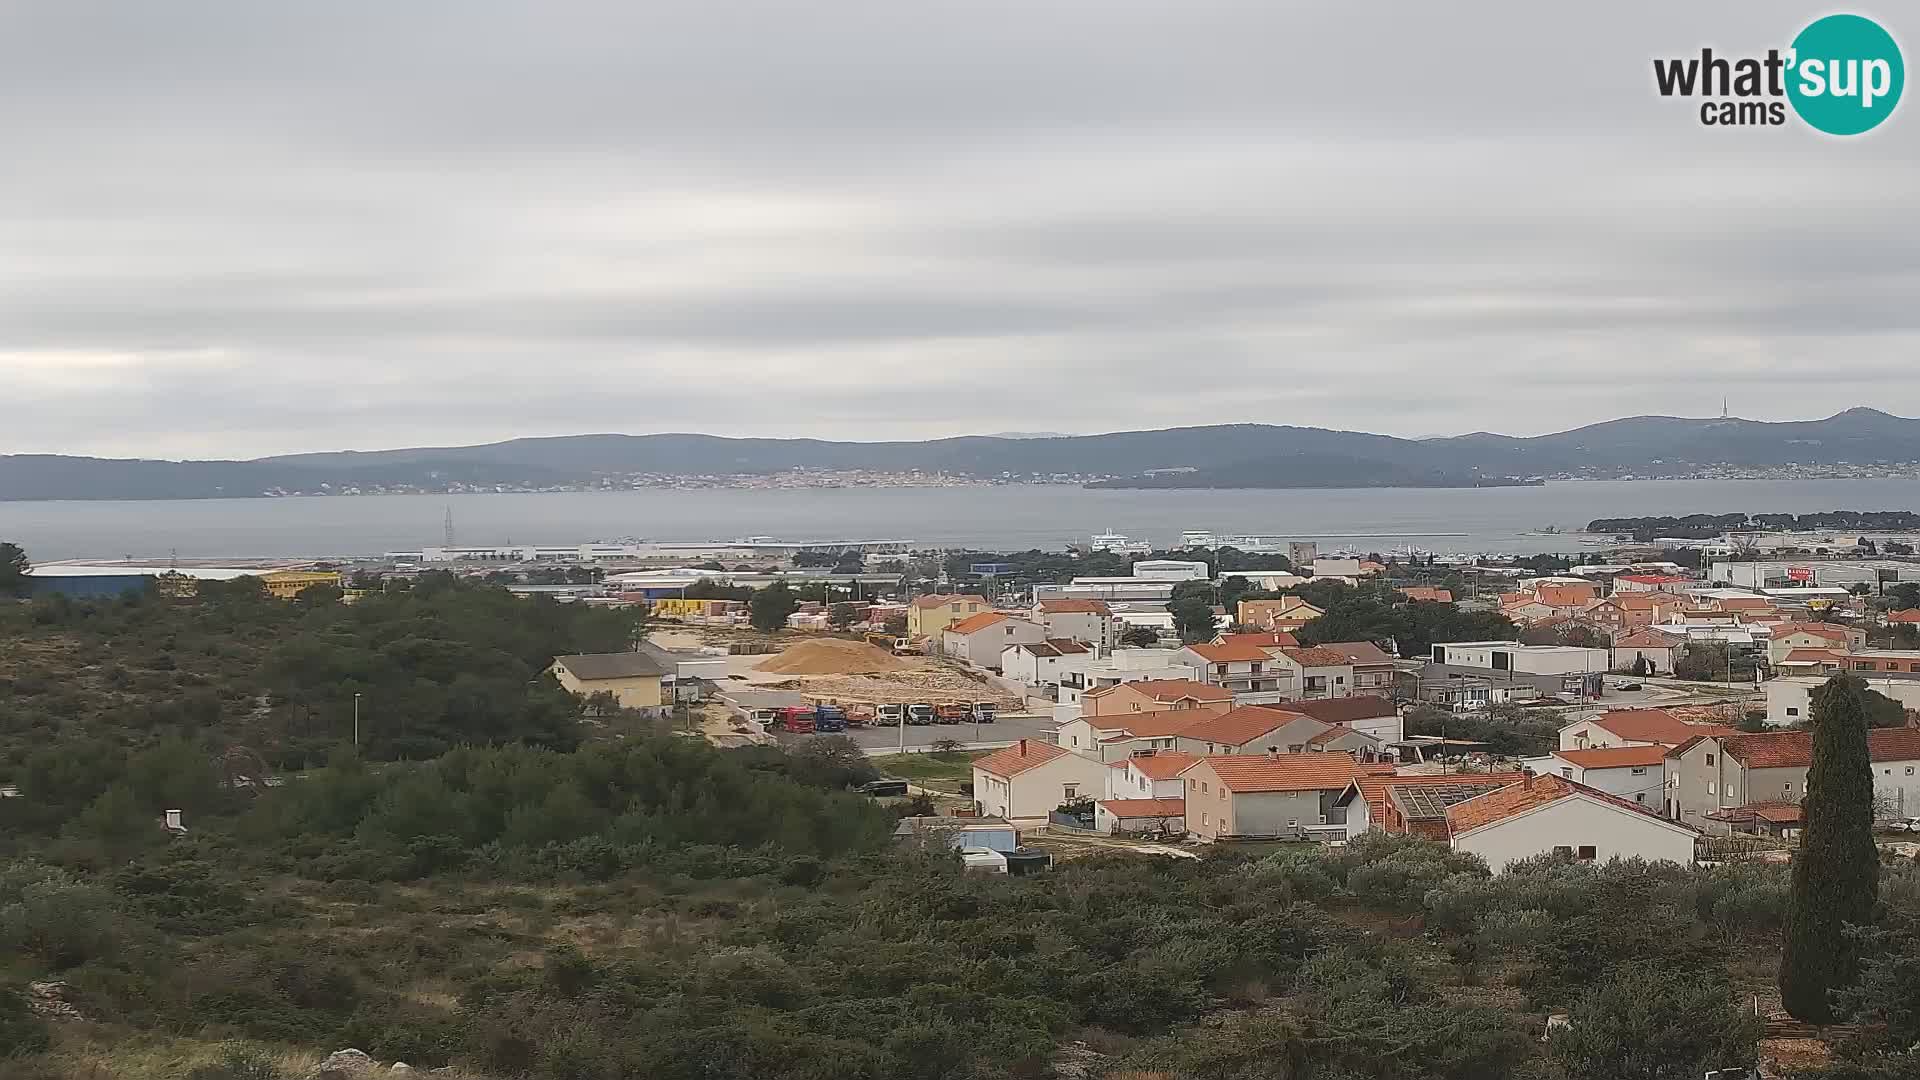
{"points": [[833, 656]]}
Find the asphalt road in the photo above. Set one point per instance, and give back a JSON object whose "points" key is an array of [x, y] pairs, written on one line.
{"points": [[1005, 730]]}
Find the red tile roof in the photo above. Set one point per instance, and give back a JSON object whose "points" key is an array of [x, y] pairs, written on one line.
{"points": [[1161, 764], [1054, 647], [1794, 749], [973, 623], [1238, 726], [1812, 656], [1229, 653], [1249, 773], [1332, 734], [1011, 761], [1830, 631], [1358, 652], [1647, 639], [1271, 639], [1374, 788], [1157, 724], [1317, 656], [1422, 592], [1484, 810], [1908, 615], [1068, 607], [1339, 710], [1172, 690], [1139, 808], [1654, 726], [1614, 757], [1776, 813]]}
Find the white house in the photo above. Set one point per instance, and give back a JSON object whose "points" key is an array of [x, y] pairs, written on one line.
{"points": [[1790, 698], [1148, 775], [1090, 622], [1042, 663], [1633, 727], [1151, 816], [1658, 649], [1030, 778], [1121, 666], [1634, 773], [980, 640], [1528, 659], [1114, 737], [1550, 814]]}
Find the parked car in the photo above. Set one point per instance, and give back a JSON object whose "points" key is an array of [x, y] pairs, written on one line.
{"points": [[883, 787], [1626, 686], [983, 712], [890, 714], [920, 714], [1911, 824], [952, 714]]}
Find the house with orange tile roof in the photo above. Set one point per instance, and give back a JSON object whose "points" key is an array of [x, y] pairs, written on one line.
{"points": [[1373, 667], [1148, 774], [980, 640], [928, 616], [1115, 737], [1658, 648], [1633, 727], [1043, 663], [1868, 662], [1238, 667], [1140, 817], [1571, 595], [1714, 773], [1090, 622], [1028, 780], [1149, 695], [1552, 815], [1267, 795], [1288, 613], [1251, 729], [1634, 773], [1412, 804], [1369, 714], [1318, 671], [1904, 617], [1427, 593], [1265, 639], [1811, 662], [1822, 635], [1646, 583]]}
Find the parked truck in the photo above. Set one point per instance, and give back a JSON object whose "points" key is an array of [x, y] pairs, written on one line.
{"points": [[952, 714], [829, 718], [920, 714], [890, 715], [983, 712], [797, 719]]}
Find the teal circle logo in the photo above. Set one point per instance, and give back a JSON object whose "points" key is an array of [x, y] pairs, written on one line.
{"points": [[1846, 74]]}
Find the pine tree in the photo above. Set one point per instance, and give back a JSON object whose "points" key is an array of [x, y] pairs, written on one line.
{"points": [[1836, 875]]}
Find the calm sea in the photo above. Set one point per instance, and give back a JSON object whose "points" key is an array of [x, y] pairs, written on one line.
{"points": [[1004, 518]]}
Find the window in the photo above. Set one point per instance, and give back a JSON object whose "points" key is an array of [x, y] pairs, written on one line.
{"points": [[1639, 796], [1293, 823], [1223, 794], [1203, 818], [1909, 770], [1709, 760], [1710, 789], [1793, 710], [1588, 853], [1567, 771], [1638, 770], [1070, 790], [1203, 787]]}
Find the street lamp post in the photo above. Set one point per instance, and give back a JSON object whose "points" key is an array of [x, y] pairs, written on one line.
{"points": [[356, 721]]}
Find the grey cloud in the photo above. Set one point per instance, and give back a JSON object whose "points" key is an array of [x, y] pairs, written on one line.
{"points": [[229, 228]]}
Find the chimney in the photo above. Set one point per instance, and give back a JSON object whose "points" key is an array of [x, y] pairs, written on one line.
{"points": [[1526, 780], [1023, 748]]}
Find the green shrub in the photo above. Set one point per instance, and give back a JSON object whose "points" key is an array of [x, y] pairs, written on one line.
{"points": [[21, 1032]]}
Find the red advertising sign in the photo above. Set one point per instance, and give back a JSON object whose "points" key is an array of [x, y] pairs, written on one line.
{"points": [[1799, 573]]}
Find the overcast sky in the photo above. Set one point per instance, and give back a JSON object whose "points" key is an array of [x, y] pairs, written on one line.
{"points": [[236, 228]]}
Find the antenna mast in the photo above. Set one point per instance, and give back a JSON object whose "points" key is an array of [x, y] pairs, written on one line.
{"points": [[449, 526]]}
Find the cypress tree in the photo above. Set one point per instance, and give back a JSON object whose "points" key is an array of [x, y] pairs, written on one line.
{"points": [[1836, 875]]}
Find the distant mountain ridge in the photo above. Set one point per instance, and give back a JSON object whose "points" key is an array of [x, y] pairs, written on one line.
{"points": [[1236, 455]]}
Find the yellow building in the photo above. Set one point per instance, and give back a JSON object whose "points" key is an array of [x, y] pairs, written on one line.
{"points": [[929, 616], [286, 584], [674, 608], [633, 678]]}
